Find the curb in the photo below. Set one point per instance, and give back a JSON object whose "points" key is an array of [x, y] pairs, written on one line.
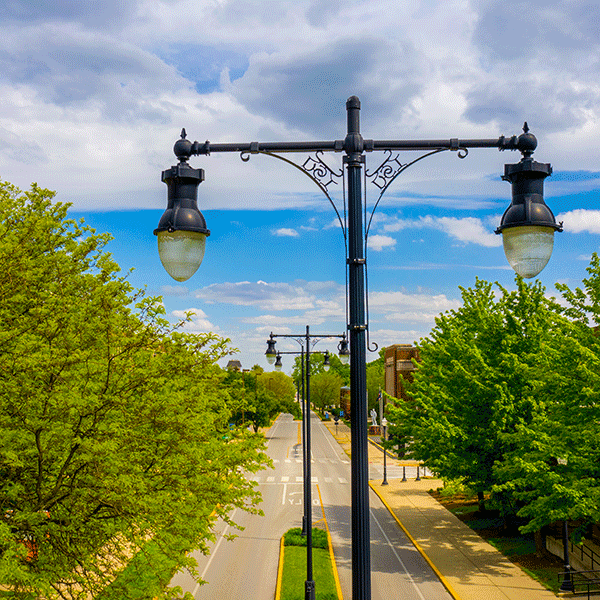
{"points": [[420, 550], [279, 570], [336, 577], [338, 587]]}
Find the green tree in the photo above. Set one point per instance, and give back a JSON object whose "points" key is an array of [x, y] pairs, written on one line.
{"points": [[325, 390], [111, 420], [316, 366], [476, 381], [260, 396], [554, 469]]}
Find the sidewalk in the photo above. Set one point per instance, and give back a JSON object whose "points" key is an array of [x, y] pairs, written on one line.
{"points": [[469, 567]]}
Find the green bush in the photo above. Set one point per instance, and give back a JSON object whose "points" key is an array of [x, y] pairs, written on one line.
{"points": [[294, 537]]}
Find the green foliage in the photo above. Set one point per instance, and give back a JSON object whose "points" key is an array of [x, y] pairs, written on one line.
{"points": [[325, 390], [257, 396], [112, 422], [507, 399], [294, 537], [476, 380], [316, 367], [554, 470]]}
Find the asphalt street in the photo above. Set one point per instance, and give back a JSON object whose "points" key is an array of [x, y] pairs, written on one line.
{"points": [[246, 568]]}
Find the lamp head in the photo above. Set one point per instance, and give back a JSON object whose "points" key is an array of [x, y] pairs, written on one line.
{"points": [[326, 361], [278, 364], [344, 352], [528, 225], [271, 353], [182, 230]]}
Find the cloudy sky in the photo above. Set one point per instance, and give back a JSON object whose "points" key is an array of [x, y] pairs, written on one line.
{"points": [[93, 96]]}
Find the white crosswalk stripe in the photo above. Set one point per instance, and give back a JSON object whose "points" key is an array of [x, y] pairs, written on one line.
{"points": [[287, 479]]}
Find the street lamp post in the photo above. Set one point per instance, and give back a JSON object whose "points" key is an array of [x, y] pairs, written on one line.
{"points": [[527, 226], [384, 425], [567, 582], [305, 343], [278, 366]]}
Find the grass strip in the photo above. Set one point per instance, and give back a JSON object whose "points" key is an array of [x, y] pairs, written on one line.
{"points": [[294, 566], [517, 547]]}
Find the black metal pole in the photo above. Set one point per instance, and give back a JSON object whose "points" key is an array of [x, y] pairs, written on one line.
{"points": [[361, 539], [567, 582], [354, 147], [309, 586], [303, 439]]}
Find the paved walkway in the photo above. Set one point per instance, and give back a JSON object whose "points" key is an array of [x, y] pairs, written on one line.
{"points": [[469, 567]]}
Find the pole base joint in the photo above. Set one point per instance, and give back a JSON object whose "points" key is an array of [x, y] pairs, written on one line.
{"points": [[309, 590]]}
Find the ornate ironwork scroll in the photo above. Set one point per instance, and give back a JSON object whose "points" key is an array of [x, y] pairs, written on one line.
{"points": [[314, 168]]}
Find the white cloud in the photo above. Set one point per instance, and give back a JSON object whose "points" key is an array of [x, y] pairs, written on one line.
{"points": [[267, 296], [96, 91], [285, 232], [466, 230], [405, 307], [581, 220], [379, 242]]}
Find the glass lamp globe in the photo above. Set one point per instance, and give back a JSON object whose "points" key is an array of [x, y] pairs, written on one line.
{"points": [[528, 248], [344, 352], [181, 252]]}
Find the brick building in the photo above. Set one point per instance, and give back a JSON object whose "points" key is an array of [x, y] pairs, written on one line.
{"points": [[399, 366]]}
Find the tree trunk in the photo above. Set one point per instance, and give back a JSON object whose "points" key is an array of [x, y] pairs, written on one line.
{"points": [[540, 543], [481, 501]]}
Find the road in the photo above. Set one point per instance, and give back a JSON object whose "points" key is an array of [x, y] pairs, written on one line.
{"points": [[247, 567]]}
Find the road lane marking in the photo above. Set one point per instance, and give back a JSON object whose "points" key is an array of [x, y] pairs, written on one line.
{"points": [[387, 539], [416, 544], [338, 586], [213, 554]]}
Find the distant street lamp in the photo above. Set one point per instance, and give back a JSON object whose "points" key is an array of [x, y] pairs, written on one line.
{"points": [[527, 226], [384, 425], [306, 341]]}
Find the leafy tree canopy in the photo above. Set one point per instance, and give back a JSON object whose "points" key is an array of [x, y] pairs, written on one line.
{"points": [[476, 380], [553, 471], [325, 390], [111, 420]]}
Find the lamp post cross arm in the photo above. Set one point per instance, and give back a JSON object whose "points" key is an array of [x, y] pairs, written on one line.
{"points": [[312, 335], [184, 148]]}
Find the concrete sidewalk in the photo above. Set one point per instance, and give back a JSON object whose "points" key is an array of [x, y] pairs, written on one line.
{"points": [[469, 567]]}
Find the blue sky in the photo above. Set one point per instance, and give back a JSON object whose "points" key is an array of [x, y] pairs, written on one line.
{"points": [[93, 96]]}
